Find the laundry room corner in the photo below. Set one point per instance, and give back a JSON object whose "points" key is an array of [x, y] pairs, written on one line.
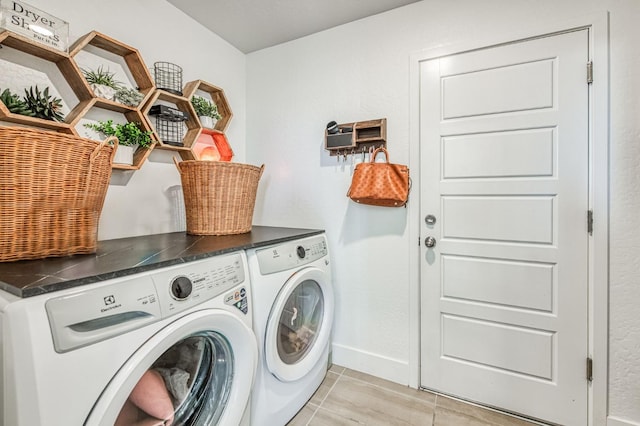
{"points": [[360, 71], [350, 281]]}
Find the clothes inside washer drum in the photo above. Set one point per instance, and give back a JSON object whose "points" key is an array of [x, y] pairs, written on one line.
{"points": [[178, 365], [177, 382], [188, 385], [299, 322], [150, 396]]}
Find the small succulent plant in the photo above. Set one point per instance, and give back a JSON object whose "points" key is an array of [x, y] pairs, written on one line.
{"points": [[101, 76], [129, 134], [43, 105], [14, 104], [130, 97]]}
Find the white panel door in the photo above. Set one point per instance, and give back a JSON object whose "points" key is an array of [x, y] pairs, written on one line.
{"points": [[504, 171]]}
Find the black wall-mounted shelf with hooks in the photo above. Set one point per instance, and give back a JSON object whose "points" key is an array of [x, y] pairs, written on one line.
{"points": [[357, 137]]}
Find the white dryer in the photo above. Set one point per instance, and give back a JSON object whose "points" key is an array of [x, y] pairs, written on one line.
{"points": [[172, 346], [293, 316]]}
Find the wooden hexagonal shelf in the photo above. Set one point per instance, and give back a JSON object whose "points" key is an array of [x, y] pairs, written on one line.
{"points": [[70, 72], [217, 96], [133, 59], [193, 125]]}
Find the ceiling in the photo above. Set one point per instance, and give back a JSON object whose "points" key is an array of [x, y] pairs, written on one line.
{"points": [[251, 25]]}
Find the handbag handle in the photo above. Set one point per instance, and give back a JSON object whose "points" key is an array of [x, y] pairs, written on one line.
{"points": [[375, 153]]}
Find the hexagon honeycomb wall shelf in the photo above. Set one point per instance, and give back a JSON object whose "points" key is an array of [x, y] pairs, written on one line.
{"points": [[93, 42], [133, 59], [69, 71], [193, 125], [105, 45], [218, 97]]}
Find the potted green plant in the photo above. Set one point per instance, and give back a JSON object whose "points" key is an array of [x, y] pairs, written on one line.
{"points": [[206, 111], [102, 82], [14, 104], [43, 105], [130, 136]]}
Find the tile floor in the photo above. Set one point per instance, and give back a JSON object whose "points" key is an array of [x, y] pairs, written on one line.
{"points": [[347, 397]]}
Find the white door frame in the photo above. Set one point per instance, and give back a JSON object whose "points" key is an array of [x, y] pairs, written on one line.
{"points": [[598, 251]]}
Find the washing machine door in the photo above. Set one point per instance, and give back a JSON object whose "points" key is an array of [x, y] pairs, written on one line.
{"points": [[299, 324], [198, 370]]}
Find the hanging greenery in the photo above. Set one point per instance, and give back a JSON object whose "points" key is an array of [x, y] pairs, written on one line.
{"points": [[129, 134]]}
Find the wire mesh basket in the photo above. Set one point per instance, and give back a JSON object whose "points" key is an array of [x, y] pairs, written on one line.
{"points": [[169, 124], [168, 77]]}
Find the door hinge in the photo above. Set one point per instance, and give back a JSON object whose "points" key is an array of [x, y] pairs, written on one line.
{"points": [[590, 222], [589, 72], [589, 369]]}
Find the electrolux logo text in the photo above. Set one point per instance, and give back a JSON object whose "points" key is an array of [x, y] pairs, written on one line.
{"points": [[110, 302]]}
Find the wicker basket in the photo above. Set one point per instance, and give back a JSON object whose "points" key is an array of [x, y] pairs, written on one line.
{"points": [[52, 188], [219, 197]]}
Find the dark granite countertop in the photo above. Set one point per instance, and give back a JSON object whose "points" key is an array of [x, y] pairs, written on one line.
{"points": [[126, 256]]}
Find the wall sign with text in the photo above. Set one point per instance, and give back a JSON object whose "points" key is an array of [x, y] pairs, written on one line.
{"points": [[26, 20]]}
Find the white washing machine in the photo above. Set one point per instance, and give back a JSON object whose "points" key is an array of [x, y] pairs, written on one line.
{"points": [[293, 315], [172, 346]]}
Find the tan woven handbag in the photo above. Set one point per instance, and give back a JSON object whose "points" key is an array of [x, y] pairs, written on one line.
{"points": [[380, 184]]}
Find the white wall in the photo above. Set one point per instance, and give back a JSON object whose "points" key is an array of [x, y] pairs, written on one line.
{"points": [[149, 201], [360, 71]]}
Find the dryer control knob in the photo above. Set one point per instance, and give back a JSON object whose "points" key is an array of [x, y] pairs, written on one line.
{"points": [[181, 288], [301, 252]]}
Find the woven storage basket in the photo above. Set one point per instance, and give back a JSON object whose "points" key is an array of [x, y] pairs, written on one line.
{"points": [[219, 197], [52, 188]]}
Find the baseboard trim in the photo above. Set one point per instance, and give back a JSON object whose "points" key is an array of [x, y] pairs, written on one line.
{"points": [[391, 369], [617, 421]]}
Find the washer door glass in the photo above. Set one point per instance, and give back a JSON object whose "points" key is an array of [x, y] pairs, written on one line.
{"points": [[189, 384], [195, 370], [296, 338], [299, 321]]}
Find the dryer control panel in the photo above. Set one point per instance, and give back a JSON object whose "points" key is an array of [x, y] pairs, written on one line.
{"points": [[121, 305], [291, 255], [197, 282]]}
